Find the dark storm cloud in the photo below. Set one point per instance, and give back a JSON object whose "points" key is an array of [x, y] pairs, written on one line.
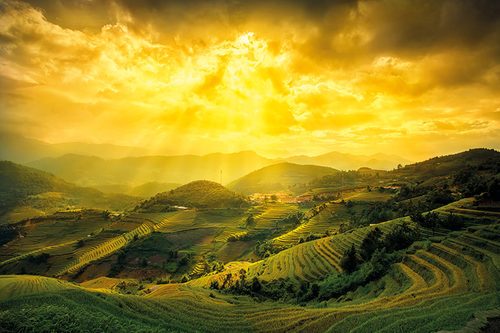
{"points": [[426, 24], [170, 14], [318, 7], [395, 25]]}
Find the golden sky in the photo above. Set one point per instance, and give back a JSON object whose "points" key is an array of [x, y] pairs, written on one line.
{"points": [[414, 78]]}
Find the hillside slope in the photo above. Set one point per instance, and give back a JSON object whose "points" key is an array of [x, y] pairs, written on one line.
{"points": [[478, 158], [278, 177], [24, 187]]}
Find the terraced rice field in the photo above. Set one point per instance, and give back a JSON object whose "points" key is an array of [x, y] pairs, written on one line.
{"points": [[150, 223], [308, 261], [440, 286], [272, 214], [199, 268], [48, 233], [329, 219], [12, 286], [364, 195]]}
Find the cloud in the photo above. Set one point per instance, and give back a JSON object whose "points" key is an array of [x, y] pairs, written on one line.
{"points": [[360, 75]]}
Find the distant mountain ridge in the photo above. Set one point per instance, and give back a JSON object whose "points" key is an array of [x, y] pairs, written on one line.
{"points": [[223, 168], [106, 166], [20, 149], [345, 161], [91, 171]]}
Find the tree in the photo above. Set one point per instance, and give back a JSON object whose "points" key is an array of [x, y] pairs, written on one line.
{"points": [[144, 262], [243, 275], [39, 259], [256, 286], [452, 222], [431, 221], [370, 243], [214, 284], [494, 189], [250, 221], [349, 261], [400, 237]]}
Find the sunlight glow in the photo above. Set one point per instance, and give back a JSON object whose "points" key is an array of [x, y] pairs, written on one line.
{"points": [[275, 88]]}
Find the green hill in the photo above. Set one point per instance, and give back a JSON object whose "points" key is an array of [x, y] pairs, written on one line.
{"points": [[197, 194], [27, 192], [17, 182], [25, 180], [279, 177], [479, 158]]}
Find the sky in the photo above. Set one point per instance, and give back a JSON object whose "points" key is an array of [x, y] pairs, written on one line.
{"points": [[414, 78]]}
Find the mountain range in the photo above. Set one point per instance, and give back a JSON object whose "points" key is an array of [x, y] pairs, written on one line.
{"points": [[107, 166]]}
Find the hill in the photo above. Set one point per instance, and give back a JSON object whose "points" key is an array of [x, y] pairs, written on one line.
{"points": [[197, 194], [36, 192], [135, 171], [18, 182], [478, 158], [279, 177]]}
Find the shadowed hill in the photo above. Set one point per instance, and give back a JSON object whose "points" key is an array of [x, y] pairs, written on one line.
{"points": [[22, 180], [28, 187], [198, 194], [18, 182], [279, 177], [479, 158]]}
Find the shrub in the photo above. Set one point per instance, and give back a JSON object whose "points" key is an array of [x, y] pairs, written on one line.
{"points": [[7, 233], [349, 260], [452, 222], [39, 259]]}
